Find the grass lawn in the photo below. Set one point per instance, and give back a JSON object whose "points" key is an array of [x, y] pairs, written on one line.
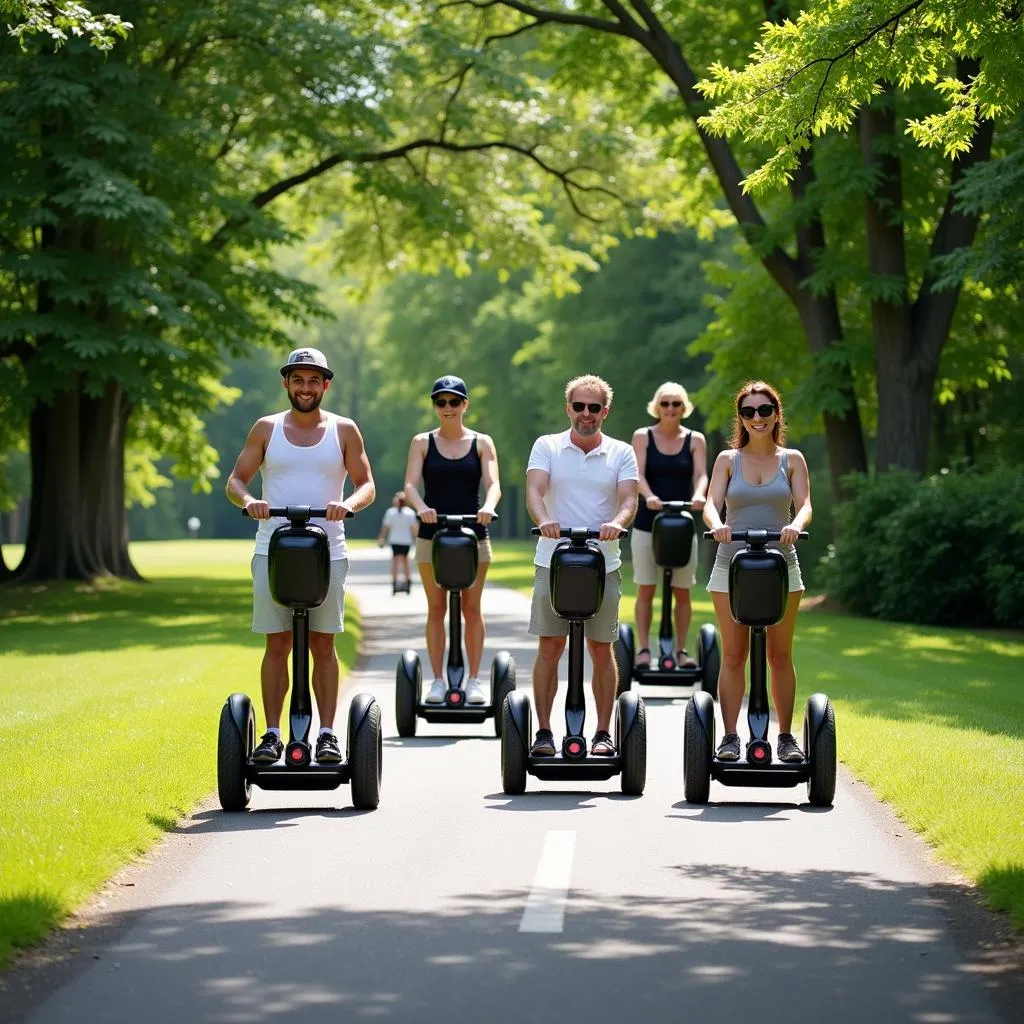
{"points": [[932, 719], [109, 703]]}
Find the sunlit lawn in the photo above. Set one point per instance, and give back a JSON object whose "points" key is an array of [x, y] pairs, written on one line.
{"points": [[932, 719], [109, 703]]}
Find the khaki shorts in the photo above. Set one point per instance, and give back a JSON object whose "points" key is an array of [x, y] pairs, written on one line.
{"points": [[425, 547], [270, 617], [646, 572], [603, 627]]}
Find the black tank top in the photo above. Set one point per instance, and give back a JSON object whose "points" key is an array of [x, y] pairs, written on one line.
{"points": [[670, 477], [451, 486]]}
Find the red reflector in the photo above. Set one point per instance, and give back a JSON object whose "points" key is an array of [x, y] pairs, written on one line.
{"points": [[574, 748], [759, 754], [296, 755]]}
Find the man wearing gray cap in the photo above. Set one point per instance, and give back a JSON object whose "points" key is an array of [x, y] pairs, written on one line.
{"points": [[303, 455]]}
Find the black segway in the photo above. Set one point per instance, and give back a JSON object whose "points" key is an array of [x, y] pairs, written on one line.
{"points": [[758, 590], [401, 586], [577, 589], [300, 576], [672, 542], [455, 554]]}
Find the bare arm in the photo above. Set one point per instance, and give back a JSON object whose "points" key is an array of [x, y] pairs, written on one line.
{"points": [[716, 497], [800, 481], [246, 467], [536, 488], [643, 487], [358, 466], [625, 495], [699, 452], [489, 469], [414, 478]]}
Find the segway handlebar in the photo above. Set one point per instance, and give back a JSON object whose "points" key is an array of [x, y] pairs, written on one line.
{"points": [[577, 533], [676, 506], [756, 536], [297, 512], [453, 522]]}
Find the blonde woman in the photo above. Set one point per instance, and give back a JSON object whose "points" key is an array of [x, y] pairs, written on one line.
{"points": [[672, 460]]}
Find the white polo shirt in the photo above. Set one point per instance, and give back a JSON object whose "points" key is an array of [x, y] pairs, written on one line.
{"points": [[582, 487]]}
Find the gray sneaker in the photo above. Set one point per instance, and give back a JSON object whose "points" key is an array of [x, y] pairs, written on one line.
{"points": [[729, 748], [788, 749]]}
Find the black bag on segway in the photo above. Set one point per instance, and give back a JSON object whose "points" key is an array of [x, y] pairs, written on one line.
{"points": [[672, 539], [758, 586], [455, 558], [299, 565], [577, 580]]}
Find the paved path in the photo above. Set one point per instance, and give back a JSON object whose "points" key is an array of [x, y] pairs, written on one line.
{"points": [[453, 902]]}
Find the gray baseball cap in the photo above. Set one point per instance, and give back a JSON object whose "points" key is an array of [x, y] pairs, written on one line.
{"points": [[302, 357]]}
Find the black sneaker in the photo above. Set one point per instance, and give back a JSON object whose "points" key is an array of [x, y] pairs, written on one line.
{"points": [[327, 749], [787, 748], [544, 744], [270, 749], [729, 748]]}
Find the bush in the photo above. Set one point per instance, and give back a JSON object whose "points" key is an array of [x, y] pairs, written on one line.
{"points": [[947, 550]]}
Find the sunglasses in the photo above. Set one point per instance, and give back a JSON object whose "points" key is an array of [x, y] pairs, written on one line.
{"points": [[591, 407], [453, 402], [764, 411], [675, 403]]}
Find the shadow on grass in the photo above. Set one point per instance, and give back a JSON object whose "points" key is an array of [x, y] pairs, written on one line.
{"points": [[1004, 890], [865, 947], [25, 919]]}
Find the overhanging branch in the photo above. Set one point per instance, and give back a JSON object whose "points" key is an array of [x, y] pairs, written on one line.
{"points": [[544, 16]]}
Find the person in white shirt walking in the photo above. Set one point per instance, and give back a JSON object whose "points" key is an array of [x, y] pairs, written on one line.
{"points": [[398, 529], [579, 478], [304, 456]]}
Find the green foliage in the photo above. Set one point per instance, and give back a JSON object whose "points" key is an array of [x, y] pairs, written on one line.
{"points": [[809, 76], [59, 21], [942, 551]]}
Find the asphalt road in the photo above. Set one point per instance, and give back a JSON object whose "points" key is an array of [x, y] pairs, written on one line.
{"points": [[454, 902]]}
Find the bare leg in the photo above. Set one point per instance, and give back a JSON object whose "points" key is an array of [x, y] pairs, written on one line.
{"points": [[274, 676], [545, 677], [642, 612], [476, 630], [732, 675], [780, 661], [604, 682], [325, 676], [437, 608], [682, 612], [394, 568]]}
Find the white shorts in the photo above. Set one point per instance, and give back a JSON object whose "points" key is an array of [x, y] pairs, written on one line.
{"points": [[647, 573], [270, 617]]}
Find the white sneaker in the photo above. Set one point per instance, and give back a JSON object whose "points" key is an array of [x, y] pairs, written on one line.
{"points": [[474, 694], [438, 688]]}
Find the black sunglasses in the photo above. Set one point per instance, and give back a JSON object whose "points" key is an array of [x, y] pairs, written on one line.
{"points": [[591, 407], [675, 403], [453, 402], [764, 411]]}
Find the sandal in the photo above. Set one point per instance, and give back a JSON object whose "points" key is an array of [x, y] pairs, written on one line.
{"points": [[602, 745], [644, 651], [684, 660]]}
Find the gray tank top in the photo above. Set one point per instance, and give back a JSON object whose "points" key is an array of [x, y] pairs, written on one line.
{"points": [[765, 506]]}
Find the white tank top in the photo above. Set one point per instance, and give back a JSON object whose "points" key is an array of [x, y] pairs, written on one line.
{"points": [[293, 475]]}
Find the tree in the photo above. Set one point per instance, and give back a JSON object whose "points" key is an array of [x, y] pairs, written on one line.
{"points": [[60, 21]]}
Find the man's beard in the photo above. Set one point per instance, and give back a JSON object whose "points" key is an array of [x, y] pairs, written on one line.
{"points": [[587, 430], [314, 403]]}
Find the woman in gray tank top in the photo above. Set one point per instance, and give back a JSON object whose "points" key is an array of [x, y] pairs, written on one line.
{"points": [[759, 481]]}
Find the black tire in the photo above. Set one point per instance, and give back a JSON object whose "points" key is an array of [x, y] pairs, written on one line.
{"points": [[710, 661], [503, 682], [821, 753], [233, 753], [625, 654], [633, 745], [513, 751], [365, 753], [408, 677], [697, 752]]}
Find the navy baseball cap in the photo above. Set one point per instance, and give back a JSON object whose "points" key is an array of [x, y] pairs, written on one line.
{"points": [[450, 383], [311, 357]]}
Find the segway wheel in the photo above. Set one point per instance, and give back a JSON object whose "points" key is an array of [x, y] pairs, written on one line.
{"points": [[503, 682], [234, 749], [710, 660], [513, 746], [631, 730], [698, 744], [820, 749], [365, 751], [625, 654], [408, 678]]}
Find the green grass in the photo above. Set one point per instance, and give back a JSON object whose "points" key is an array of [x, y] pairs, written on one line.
{"points": [[109, 703], [932, 719]]}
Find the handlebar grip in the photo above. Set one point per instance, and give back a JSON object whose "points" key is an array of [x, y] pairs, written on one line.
{"points": [[282, 512], [741, 535], [568, 531]]}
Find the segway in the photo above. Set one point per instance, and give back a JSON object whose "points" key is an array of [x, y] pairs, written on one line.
{"points": [[455, 559], [300, 576], [400, 586], [577, 589], [758, 590], [672, 542]]}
